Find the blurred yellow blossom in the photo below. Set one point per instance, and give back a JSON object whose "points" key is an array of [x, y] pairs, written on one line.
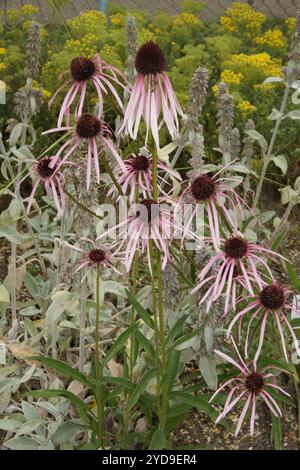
{"points": [[185, 19], [262, 62], [246, 108], [290, 24], [2, 51], [29, 10], [273, 38], [231, 78], [243, 18], [2, 66]]}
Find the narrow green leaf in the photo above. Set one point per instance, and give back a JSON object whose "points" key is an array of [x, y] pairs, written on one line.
{"points": [[145, 343], [64, 369], [196, 402], [176, 329], [293, 276], [50, 393], [158, 440], [140, 310], [276, 432], [141, 387], [119, 343]]}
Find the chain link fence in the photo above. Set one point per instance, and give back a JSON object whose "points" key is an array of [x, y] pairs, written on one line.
{"points": [[213, 8]]}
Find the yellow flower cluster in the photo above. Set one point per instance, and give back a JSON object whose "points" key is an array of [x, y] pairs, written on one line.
{"points": [[88, 22], [272, 38], [2, 66], [26, 10], [263, 62], [241, 16], [227, 23], [290, 24], [29, 10], [231, 78], [246, 108], [2, 51], [185, 19], [118, 19], [86, 46], [13, 15]]}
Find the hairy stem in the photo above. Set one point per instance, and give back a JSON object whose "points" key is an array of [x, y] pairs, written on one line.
{"points": [[13, 282], [98, 367], [82, 323]]}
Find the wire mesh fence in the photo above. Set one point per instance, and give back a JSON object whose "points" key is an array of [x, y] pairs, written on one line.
{"points": [[213, 8]]}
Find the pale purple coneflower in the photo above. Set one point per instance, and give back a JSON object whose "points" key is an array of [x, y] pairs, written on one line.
{"points": [[52, 179], [102, 75], [229, 289], [139, 173], [249, 386], [89, 129], [151, 93], [213, 192], [272, 301], [236, 255], [146, 221], [97, 257]]}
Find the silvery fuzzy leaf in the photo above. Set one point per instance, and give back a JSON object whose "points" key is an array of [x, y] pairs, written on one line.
{"points": [[281, 162], [29, 427], [266, 216], [11, 234], [188, 344], [4, 170], [208, 337], [297, 184], [22, 443], [4, 295], [273, 80], [208, 371], [287, 194], [296, 97], [61, 301], [16, 134], [275, 115], [294, 114], [259, 138], [65, 432], [10, 425], [29, 411], [250, 235], [5, 397], [15, 208]]}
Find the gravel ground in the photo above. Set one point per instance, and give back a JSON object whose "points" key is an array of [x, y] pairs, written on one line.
{"points": [[213, 8]]}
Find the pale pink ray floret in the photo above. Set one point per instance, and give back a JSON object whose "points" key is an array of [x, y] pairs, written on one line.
{"points": [[273, 301], [147, 222], [83, 71], [236, 256], [91, 131], [97, 257], [152, 93], [138, 173], [213, 192], [53, 180], [248, 387]]}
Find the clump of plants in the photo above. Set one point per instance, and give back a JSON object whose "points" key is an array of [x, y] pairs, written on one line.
{"points": [[133, 255]]}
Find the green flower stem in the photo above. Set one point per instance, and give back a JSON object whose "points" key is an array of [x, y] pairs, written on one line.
{"points": [[162, 347], [98, 367], [111, 174], [156, 327], [135, 272]]}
